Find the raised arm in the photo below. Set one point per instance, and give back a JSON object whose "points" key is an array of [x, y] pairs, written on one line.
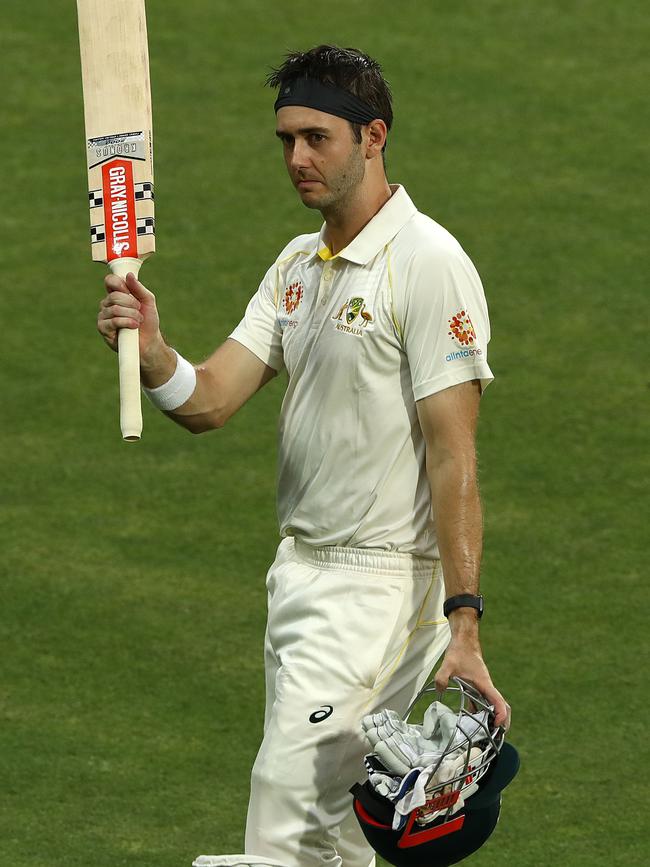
{"points": [[448, 421], [224, 382]]}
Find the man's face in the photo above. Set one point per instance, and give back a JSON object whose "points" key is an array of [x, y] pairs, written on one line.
{"points": [[324, 162]]}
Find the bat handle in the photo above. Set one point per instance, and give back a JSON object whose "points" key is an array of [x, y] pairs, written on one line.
{"points": [[128, 347]]}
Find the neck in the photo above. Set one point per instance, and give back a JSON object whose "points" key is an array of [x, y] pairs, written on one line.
{"points": [[345, 219]]}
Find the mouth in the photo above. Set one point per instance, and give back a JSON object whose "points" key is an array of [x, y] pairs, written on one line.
{"points": [[304, 184]]}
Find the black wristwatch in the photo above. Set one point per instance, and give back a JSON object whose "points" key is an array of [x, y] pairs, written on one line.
{"points": [[464, 600]]}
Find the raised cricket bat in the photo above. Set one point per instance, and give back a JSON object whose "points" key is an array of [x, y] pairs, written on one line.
{"points": [[119, 147]]}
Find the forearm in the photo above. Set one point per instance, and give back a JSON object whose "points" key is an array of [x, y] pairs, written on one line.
{"points": [[448, 420], [200, 411], [224, 382], [459, 525]]}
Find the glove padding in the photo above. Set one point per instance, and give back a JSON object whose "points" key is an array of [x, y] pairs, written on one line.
{"points": [[401, 746], [449, 769], [396, 743]]}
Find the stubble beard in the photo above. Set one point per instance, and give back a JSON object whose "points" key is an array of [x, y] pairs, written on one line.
{"points": [[341, 187]]}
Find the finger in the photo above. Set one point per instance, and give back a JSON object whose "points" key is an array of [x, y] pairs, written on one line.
{"points": [[441, 679], [108, 333], [113, 283], [501, 717], [119, 299], [109, 327], [136, 288], [115, 311], [116, 323], [500, 705]]}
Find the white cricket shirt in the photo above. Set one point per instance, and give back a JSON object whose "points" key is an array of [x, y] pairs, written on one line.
{"points": [[398, 315]]}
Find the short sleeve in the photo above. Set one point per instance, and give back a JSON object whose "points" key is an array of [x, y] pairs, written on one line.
{"points": [[259, 330], [442, 313]]}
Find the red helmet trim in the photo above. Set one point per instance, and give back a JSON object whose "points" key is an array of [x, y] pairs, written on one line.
{"points": [[365, 815], [441, 802], [407, 839]]}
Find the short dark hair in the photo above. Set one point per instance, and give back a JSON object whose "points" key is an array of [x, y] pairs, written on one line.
{"points": [[347, 68]]}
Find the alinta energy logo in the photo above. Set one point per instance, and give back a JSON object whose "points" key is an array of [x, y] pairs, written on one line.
{"points": [[293, 296], [462, 331]]}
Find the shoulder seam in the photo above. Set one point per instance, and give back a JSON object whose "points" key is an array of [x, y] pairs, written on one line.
{"points": [[276, 291], [291, 255], [393, 314]]}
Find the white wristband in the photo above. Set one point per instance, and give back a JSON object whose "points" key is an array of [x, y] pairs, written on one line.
{"points": [[173, 393]]}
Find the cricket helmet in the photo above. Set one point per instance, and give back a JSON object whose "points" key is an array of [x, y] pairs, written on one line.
{"points": [[461, 810]]}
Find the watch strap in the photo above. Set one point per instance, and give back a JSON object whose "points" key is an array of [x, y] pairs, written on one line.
{"points": [[463, 600]]}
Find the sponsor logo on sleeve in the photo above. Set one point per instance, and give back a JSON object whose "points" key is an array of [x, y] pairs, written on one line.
{"points": [[463, 334]]}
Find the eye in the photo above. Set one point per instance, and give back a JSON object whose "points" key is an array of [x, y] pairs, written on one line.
{"points": [[316, 137]]}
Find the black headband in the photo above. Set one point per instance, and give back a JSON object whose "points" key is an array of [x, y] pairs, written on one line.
{"points": [[325, 97]]}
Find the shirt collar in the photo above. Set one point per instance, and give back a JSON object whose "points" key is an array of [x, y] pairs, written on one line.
{"points": [[374, 236]]}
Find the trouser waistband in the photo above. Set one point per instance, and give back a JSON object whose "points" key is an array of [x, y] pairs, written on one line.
{"points": [[370, 560]]}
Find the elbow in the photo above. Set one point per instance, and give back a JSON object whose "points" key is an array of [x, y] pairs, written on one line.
{"points": [[214, 420], [203, 425], [197, 428], [215, 424], [461, 468], [198, 424]]}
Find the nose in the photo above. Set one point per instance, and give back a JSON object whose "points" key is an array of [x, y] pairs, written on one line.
{"points": [[298, 158]]}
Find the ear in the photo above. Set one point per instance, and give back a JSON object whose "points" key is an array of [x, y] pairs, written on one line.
{"points": [[376, 132]]}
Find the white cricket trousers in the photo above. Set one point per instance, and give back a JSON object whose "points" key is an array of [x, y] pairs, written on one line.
{"points": [[349, 631]]}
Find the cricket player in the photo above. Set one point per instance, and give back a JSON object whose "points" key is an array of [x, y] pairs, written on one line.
{"points": [[381, 324]]}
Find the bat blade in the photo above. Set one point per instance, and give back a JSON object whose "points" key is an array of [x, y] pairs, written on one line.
{"points": [[119, 133], [119, 151]]}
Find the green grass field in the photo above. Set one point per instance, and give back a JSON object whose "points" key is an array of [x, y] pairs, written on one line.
{"points": [[132, 601]]}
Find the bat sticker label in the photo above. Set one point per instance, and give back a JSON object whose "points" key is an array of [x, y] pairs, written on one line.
{"points": [[119, 209], [130, 145]]}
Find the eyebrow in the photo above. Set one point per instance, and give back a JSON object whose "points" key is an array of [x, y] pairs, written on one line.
{"points": [[281, 133]]}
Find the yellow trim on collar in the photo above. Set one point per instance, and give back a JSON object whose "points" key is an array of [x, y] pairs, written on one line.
{"points": [[326, 254]]}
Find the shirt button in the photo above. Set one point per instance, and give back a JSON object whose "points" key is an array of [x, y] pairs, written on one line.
{"points": [[327, 276]]}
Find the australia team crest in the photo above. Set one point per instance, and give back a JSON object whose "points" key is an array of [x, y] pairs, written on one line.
{"points": [[354, 310]]}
